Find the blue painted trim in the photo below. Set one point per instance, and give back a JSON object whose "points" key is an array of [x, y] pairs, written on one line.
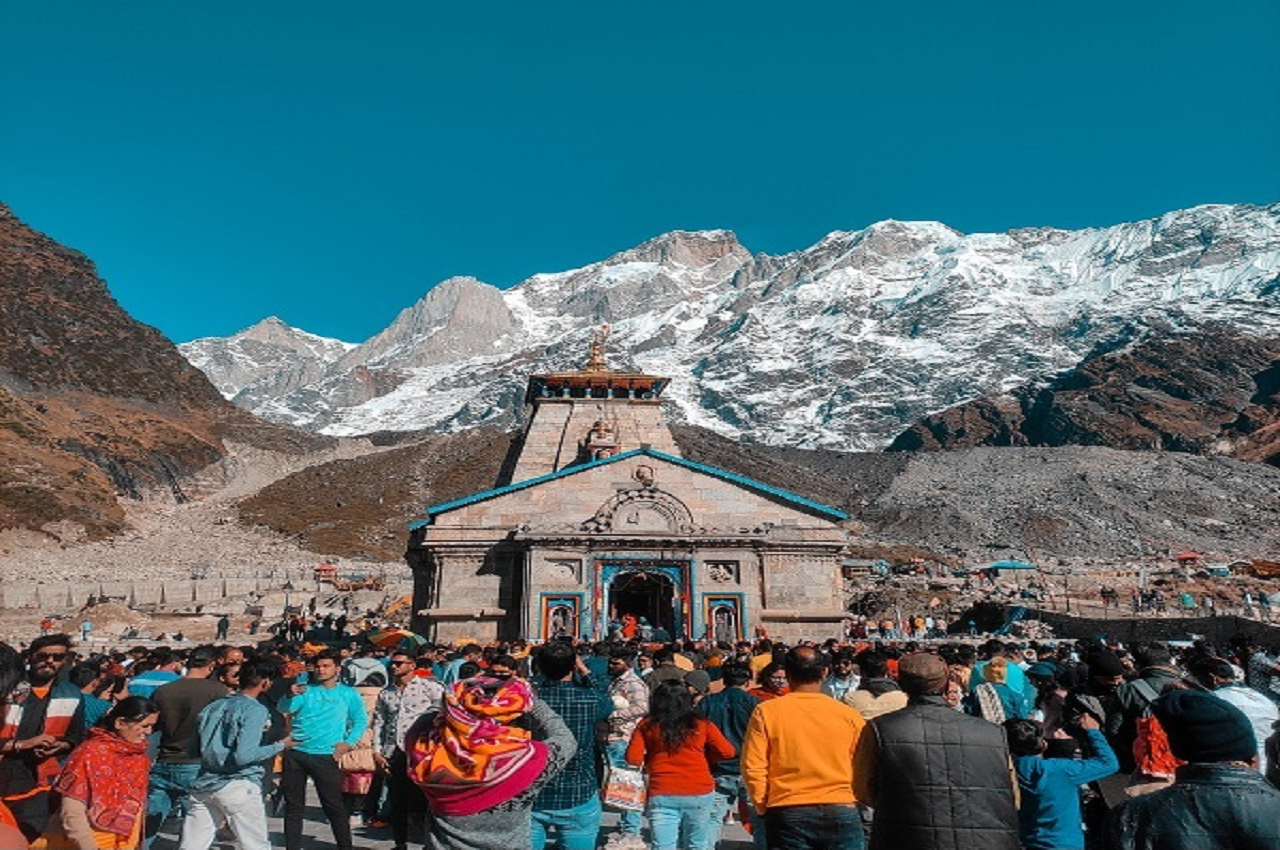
{"points": [[752, 484], [741, 480]]}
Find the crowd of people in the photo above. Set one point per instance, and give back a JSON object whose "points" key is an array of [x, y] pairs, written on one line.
{"points": [[843, 744]]}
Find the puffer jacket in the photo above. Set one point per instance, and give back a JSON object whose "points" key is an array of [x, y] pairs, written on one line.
{"points": [[1209, 807], [938, 779]]}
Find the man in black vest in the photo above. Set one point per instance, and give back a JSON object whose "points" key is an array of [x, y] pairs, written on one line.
{"points": [[936, 778]]}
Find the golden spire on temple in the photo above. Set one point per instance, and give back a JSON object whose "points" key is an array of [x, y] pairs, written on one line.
{"points": [[596, 362]]}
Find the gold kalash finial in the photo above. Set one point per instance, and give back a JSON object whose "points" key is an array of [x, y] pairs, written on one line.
{"points": [[595, 363]]}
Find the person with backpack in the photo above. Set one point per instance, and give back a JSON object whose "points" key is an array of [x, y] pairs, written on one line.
{"points": [[1049, 816], [232, 755], [1156, 671], [1154, 765]]}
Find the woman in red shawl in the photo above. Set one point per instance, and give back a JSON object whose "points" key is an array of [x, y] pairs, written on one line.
{"points": [[103, 787]]}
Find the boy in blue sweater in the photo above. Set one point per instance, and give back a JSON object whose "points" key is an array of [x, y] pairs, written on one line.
{"points": [[1049, 816], [229, 785]]}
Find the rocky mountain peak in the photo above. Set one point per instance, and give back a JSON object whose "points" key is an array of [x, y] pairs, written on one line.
{"points": [[62, 330], [840, 345], [270, 329], [694, 249], [457, 318]]}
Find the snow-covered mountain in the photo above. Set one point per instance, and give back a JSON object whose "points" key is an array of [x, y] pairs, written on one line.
{"points": [[840, 345], [263, 362]]}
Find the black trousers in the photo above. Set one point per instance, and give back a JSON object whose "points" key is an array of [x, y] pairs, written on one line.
{"points": [[324, 774], [403, 797]]}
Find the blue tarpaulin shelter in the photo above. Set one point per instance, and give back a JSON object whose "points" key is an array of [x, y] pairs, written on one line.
{"points": [[1011, 565]]}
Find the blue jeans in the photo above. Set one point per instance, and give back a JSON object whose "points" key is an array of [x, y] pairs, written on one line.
{"points": [[576, 828], [628, 821], [670, 814], [169, 788], [729, 790], [824, 827]]}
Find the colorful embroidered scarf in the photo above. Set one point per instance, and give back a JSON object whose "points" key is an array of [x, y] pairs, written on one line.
{"points": [[109, 775], [470, 759]]}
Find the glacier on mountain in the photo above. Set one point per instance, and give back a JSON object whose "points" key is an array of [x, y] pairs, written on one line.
{"points": [[840, 345]]}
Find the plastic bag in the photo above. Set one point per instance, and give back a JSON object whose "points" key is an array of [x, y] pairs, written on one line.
{"points": [[625, 788]]}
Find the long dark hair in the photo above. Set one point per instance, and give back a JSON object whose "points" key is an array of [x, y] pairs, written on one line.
{"points": [[133, 709], [10, 671], [671, 710]]}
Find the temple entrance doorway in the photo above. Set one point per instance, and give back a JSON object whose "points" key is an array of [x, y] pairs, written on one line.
{"points": [[646, 596]]}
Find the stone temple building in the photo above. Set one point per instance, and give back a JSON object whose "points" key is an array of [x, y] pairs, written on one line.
{"points": [[602, 519]]}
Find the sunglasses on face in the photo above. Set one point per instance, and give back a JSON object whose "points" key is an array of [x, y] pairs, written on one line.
{"points": [[49, 656]]}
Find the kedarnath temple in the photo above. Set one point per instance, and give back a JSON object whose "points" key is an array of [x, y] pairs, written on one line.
{"points": [[602, 519]]}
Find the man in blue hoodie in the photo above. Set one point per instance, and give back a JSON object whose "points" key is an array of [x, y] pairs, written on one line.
{"points": [[1049, 816], [232, 756]]}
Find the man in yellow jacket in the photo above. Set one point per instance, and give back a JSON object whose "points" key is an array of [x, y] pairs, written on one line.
{"points": [[797, 761]]}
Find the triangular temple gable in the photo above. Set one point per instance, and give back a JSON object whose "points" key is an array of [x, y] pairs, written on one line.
{"points": [[591, 498]]}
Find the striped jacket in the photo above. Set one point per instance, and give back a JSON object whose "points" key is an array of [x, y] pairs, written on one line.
{"points": [[59, 714]]}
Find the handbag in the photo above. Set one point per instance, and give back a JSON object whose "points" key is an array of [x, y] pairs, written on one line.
{"points": [[358, 759], [625, 788]]}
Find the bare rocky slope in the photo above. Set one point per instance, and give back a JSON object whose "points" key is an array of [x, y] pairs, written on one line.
{"points": [[1212, 390], [1072, 504], [95, 407], [361, 507]]}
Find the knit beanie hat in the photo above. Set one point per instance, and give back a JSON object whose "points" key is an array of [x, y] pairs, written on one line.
{"points": [[1205, 728], [699, 680], [922, 673], [1105, 663], [1042, 670]]}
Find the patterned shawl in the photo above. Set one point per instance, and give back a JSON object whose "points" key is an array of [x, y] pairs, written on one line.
{"points": [[109, 775], [470, 759]]}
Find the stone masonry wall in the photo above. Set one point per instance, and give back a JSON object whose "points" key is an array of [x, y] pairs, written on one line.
{"points": [[1217, 630], [171, 593]]}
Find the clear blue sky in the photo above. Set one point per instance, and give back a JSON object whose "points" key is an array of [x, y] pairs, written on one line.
{"points": [[328, 162]]}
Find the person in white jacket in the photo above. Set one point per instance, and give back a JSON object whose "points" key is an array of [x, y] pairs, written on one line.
{"points": [[1219, 676]]}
